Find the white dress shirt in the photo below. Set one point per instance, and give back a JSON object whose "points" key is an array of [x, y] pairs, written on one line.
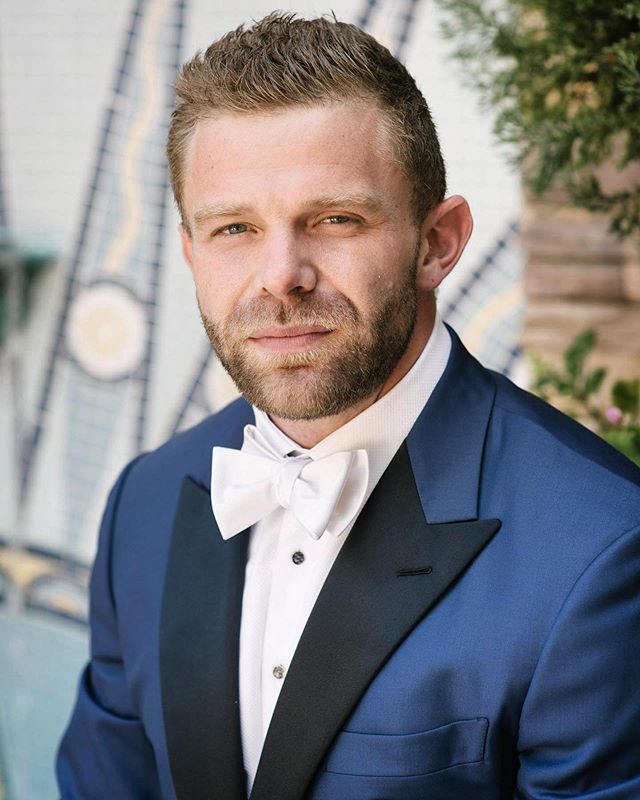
{"points": [[286, 567]]}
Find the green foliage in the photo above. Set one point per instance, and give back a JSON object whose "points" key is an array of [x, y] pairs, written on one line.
{"points": [[626, 396], [565, 80], [618, 421], [577, 352]]}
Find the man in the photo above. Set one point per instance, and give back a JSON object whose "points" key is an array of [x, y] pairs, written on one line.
{"points": [[417, 581]]}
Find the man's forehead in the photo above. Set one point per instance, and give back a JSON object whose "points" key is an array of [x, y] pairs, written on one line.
{"points": [[324, 155], [272, 129]]}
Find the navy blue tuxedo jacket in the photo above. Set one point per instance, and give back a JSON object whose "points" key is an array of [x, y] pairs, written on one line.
{"points": [[478, 636]]}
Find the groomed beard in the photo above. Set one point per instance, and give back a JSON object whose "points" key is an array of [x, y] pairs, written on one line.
{"points": [[351, 365]]}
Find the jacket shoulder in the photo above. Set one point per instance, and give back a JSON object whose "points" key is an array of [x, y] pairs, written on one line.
{"points": [[564, 431]]}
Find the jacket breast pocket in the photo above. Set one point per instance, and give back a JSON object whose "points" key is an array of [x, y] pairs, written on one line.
{"points": [[413, 754]]}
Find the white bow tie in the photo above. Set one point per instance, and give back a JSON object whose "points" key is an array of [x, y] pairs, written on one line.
{"points": [[322, 494]]}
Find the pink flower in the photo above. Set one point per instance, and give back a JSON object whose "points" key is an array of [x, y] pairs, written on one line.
{"points": [[613, 415]]}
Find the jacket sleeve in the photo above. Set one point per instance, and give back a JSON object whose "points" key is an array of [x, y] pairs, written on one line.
{"points": [[104, 753], [580, 724]]}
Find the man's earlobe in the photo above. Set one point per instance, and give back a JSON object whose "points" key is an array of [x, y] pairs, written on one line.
{"points": [[444, 235], [187, 245]]}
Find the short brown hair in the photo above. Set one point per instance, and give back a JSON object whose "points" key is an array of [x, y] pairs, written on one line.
{"points": [[283, 61]]}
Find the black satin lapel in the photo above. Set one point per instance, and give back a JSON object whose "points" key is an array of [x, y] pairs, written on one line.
{"points": [[390, 572], [199, 653]]}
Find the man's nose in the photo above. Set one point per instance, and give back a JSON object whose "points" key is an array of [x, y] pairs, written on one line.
{"points": [[286, 267]]}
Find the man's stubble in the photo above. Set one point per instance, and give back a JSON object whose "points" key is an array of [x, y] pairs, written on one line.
{"points": [[351, 366]]}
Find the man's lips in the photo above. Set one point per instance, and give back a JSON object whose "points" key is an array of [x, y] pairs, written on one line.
{"points": [[292, 339]]}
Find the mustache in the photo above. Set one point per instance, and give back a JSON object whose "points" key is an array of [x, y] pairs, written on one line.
{"points": [[328, 312]]}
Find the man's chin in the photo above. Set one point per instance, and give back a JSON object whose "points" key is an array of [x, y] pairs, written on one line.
{"points": [[299, 392]]}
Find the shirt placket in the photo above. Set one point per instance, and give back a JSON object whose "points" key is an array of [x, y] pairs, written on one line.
{"points": [[282, 628]]}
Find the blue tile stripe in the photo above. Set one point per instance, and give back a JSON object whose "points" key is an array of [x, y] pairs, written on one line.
{"points": [[478, 274], [162, 198], [191, 397]]}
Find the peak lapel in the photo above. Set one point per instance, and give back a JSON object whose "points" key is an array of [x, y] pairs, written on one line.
{"points": [[199, 652], [390, 572], [446, 444]]}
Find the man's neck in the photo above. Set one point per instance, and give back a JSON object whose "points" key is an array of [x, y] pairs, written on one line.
{"points": [[308, 432]]}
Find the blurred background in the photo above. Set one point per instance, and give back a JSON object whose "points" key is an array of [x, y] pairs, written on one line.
{"points": [[102, 354]]}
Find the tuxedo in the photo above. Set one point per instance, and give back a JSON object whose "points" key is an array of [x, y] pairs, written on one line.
{"points": [[477, 636]]}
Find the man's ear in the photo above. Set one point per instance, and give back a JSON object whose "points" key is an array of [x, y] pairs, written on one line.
{"points": [[187, 245], [443, 236]]}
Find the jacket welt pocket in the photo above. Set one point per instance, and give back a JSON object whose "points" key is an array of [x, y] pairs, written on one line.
{"points": [[398, 755]]}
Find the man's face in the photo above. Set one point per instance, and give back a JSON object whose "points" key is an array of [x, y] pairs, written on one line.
{"points": [[303, 249]]}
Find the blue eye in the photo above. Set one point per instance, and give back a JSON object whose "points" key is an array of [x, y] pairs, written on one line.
{"points": [[236, 227]]}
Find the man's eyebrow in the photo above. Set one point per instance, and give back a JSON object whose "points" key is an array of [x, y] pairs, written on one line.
{"points": [[208, 212], [362, 199]]}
